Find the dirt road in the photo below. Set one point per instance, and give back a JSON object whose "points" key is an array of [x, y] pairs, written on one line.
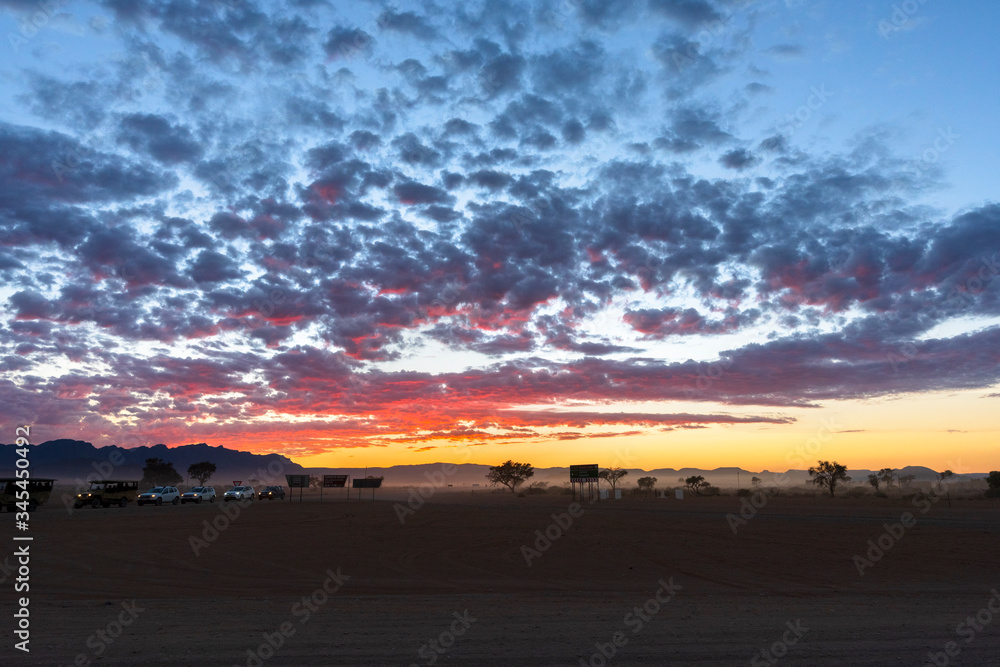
{"points": [[497, 580]]}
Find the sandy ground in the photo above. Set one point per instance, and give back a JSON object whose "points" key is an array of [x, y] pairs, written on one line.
{"points": [[350, 584]]}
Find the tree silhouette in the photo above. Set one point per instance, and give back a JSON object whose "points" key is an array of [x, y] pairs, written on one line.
{"points": [[158, 472], [756, 482], [612, 475], [829, 475], [509, 474], [696, 483], [201, 471], [646, 484], [886, 476], [942, 476], [874, 480]]}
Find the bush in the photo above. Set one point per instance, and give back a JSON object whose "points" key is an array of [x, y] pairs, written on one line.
{"points": [[856, 492], [711, 491], [744, 493], [992, 493], [881, 494]]}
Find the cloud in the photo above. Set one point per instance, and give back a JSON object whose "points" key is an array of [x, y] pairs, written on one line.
{"points": [[230, 213]]}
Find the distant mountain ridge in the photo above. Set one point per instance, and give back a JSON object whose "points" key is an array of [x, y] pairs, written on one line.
{"points": [[72, 461]]}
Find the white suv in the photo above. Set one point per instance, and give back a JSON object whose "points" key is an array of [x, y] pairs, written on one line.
{"points": [[239, 493], [159, 495]]}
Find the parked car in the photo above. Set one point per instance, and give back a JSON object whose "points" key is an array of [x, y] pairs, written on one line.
{"points": [[107, 492], [159, 495], [239, 493], [33, 492], [198, 494], [272, 492]]}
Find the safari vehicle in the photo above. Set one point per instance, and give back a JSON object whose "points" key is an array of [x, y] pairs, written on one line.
{"points": [[198, 494], [159, 495], [272, 492], [107, 492], [38, 489], [239, 493]]}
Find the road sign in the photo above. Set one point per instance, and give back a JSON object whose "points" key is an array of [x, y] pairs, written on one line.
{"points": [[334, 481], [297, 481], [583, 473], [367, 483], [237, 482]]}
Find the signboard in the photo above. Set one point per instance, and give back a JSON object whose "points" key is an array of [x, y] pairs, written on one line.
{"points": [[334, 481], [583, 473], [367, 483], [237, 482], [297, 481]]}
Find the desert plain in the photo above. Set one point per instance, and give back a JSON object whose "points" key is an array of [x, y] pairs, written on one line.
{"points": [[495, 579]]}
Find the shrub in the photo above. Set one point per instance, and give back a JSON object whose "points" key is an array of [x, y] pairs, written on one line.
{"points": [[744, 493]]}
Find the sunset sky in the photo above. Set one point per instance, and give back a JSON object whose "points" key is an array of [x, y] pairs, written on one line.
{"points": [[649, 233]]}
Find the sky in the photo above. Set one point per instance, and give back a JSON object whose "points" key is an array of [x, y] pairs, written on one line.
{"points": [[644, 233]]}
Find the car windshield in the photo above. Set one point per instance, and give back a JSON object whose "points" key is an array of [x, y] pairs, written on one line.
{"points": [[197, 489], [157, 489]]}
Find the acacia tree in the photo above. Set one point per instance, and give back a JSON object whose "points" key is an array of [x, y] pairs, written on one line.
{"points": [[696, 483], [756, 482], [993, 481], [509, 474], [158, 472], [201, 471], [646, 484], [874, 480], [942, 476], [829, 475], [612, 475]]}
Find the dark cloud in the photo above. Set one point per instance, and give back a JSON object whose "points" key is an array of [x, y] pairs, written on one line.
{"points": [[346, 42], [411, 192], [159, 138], [739, 159], [213, 267], [689, 13], [409, 23]]}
